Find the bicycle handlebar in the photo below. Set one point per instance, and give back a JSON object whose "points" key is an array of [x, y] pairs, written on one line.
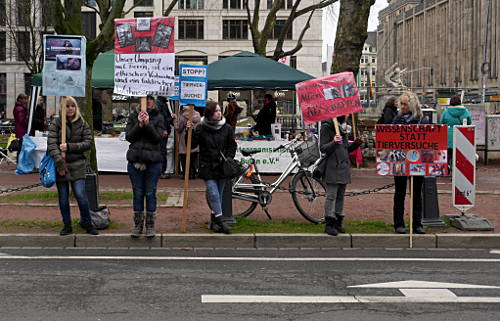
{"points": [[286, 144]]}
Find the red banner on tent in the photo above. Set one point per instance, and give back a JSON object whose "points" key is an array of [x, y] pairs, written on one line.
{"points": [[328, 97], [411, 150], [144, 35]]}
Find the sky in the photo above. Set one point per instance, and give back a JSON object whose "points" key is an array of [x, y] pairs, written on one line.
{"points": [[330, 22]]}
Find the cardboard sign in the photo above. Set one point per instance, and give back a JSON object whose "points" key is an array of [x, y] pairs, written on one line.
{"points": [[328, 97], [411, 150], [144, 56], [64, 65], [193, 80]]}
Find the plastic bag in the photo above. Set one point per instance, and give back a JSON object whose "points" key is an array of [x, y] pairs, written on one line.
{"points": [[26, 164]]}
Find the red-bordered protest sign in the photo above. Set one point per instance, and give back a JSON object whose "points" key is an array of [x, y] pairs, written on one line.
{"points": [[411, 150], [328, 97]]}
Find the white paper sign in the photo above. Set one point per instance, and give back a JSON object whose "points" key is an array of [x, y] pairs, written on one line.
{"points": [[193, 90], [142, 74]]}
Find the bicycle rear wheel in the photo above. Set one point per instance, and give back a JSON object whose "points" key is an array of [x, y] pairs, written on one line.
{"points": [[244, 208], [309, 196]]}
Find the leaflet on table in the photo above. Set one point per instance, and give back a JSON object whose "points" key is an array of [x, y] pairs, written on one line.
{"points": [[411, 150], [144, 56], [64, 65]]}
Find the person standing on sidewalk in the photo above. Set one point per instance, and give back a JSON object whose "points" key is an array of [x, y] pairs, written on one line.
{"points": [[144, 131], [161, 103], [181, 129], [215, 137], [39, 122], [71, 169], [337, 172], [409, 114], [20, 120], [390, 111]]}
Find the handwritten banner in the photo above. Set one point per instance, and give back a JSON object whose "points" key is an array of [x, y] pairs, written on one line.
{"points": [[144, 56], [193, 80], [328, 97], [411, 150]]}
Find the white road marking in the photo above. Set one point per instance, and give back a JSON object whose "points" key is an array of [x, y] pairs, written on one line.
{"points": [[221, 258], [495, 252], [410, 284]]}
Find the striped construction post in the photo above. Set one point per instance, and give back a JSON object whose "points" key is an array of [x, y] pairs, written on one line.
{"points": [[464, 167]]}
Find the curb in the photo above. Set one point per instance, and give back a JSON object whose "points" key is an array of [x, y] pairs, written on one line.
{"points": [[252, 241]]}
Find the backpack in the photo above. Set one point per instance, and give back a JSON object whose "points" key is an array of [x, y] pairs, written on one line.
{"points": [[47, 171]]}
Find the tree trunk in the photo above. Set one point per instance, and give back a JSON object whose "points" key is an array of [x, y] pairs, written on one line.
{"points": [[351, 35]]}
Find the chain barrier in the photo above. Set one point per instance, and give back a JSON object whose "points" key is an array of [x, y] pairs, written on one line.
{"points": [[18, 189]]}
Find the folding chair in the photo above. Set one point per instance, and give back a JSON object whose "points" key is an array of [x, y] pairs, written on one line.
{"points": [[4, 156]]}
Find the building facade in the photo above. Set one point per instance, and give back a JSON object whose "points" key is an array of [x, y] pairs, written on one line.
{"points": [[368, 67], [441, 43], [206, 31]]}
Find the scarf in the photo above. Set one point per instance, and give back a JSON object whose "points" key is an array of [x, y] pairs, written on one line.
{"points": [[213, 124]]}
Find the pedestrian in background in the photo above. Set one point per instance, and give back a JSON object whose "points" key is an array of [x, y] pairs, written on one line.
{"points": [[20, 120], [232, 111], [215, 137], [266, 116], [409, 114], [452, 116], [71, 169], [161, 103], [337, 171], [144, 131], [389, 112], [38, 122], [181, 130]]}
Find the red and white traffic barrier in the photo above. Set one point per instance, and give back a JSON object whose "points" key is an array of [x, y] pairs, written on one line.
{"points": [[464, 167]]}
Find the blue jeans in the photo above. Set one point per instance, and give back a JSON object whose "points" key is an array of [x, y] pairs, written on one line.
{"points": [[78, 188], [215, 189], [144, 186]]}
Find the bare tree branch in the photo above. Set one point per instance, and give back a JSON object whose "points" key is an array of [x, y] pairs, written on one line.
{"points": [[298, 46], [169, 9]]}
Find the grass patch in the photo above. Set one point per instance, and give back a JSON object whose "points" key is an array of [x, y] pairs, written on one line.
{"points": [[45, 197], [246, 225], [52, 225]]}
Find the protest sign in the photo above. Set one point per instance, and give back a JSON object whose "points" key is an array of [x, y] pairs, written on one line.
{"points": [[175, 95], [411, 150], [328, 97], [193, 88], [64, 65], [144, 56]]}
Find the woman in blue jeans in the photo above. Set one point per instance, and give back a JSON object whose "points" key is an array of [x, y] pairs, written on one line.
{"points": [[215, 137], [144, 132], [71, 167]]}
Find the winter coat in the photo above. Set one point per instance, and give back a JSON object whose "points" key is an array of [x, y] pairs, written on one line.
{"points": [[454, 115], [231, 114], [145, 141], [338, 165], [78, 139], [212, 142], [388, 114], [20, 120], [266, 116], [38, 120], [180, 128]]}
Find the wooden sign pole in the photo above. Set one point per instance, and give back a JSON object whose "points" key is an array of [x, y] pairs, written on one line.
{"points": [[144, 104], [354, 132], [411, 212], [63, 126], [336, 124], [186, 174]]}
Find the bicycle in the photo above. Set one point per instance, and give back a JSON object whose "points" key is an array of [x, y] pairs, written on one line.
{"points": [[308, 193]]}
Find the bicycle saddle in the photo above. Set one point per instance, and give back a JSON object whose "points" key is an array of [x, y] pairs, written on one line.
{"points": [[248, 152]]}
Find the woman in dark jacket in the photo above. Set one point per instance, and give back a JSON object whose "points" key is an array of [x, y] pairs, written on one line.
{"points": [[72, 167], [409, 114], [39, 122], [390, 111], [144, 132], [215, 138], [338, 171]]}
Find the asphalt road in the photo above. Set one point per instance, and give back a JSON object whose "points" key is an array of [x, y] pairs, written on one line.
{"points": [[80, 284]]}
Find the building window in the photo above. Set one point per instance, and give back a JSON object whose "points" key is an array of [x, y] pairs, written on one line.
{"points": [[91, 3], [3, 45], [190, 29], [89, 24], [234, 29], [2, 13], [373, 72], [143, 14], [23, 12], [3, 95], [23, 45], [143, 3], [233, 4], [190, 60], [277, 30], [191, 4], [374, 60], [286, 4]]}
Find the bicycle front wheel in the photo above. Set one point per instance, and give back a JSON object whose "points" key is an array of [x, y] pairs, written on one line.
{"points": [[241, 207], [309, 196]]}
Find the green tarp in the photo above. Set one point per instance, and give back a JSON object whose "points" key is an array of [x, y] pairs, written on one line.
{"points": [[245, 70]]}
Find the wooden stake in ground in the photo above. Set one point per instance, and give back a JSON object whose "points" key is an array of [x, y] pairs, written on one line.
{"points": [[411, 212], [186, 174], [63, 127]]}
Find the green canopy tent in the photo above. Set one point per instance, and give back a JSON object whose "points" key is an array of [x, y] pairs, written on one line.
{"points": [[103, 73], [247, 70]]}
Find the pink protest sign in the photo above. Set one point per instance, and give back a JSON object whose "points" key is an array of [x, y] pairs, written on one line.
{"points": [[328, 97]]}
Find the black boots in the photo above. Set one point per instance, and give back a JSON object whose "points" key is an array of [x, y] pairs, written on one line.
{"points": [[139, 224], [330, 223], [218, 226], [338, 223], [150, 224], [67, 230]]}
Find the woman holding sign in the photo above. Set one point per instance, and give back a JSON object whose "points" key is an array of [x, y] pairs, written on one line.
{"points": [[71, 167], [216, 140], [338, 171], [409, 114], [144, 132]]}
